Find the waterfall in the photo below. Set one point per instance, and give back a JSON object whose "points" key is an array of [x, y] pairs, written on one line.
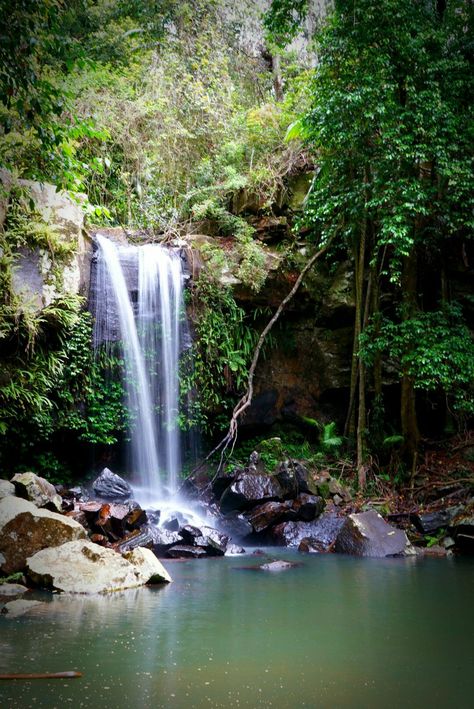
{"points": [[139, 302]]}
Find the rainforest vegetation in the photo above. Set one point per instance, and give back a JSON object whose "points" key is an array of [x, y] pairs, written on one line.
{"points": [[172, 118]]}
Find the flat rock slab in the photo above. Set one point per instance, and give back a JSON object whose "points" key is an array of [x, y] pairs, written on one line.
{"points": [[367, 534], [25, 530], [84, 567], [13, 609]]}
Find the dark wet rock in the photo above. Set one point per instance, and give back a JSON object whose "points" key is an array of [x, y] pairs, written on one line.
{"points": [[268, 514], [25, 529], [37, 490], [258, 552], [323, 530], [214, 542], [462, 529], [233, 549], [433, 521], [184, 551], [307, 507], [173, 524], [100, 539], [163, 540], [295, 478], [190, 533], [235, 525], [136, 518], [196, 486], [367, 534], [222, 481], [309, 545], [278, 565], [145, 537], [110, 486], [248, 490], [153, 516]]}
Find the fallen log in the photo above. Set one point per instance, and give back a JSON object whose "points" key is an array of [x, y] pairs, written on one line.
{"points": [[43, 675]]}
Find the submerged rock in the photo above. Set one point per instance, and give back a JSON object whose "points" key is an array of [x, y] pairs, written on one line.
{"points": [[250, 489], [84, 567], [278, 565], [13, 609], [112, 487], [25, 530], [367, 534], [37, 490]]}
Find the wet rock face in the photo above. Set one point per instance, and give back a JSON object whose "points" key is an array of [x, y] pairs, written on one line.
{"points": [[268, 514], [110, 486], [367, 534], [295, 479], [235, 525], [25, 530], [307, 507], [322, 531], [248, 489], [37, 490]]}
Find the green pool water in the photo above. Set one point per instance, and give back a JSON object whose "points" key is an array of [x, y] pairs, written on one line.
{"points": [[333, 632]]}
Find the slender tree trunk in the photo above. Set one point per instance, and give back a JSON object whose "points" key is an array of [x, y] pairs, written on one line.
{"points": [[409, 421]]}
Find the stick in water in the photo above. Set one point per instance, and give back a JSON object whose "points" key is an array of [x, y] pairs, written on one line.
{"points": [[43, 675]]}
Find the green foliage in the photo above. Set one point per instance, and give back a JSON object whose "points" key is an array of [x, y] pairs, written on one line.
{"points": [[217, 366], [435, 348]]}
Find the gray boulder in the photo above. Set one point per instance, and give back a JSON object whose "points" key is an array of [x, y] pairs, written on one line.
{"points": [[250, 489], [84, 567], [7, 489], [323, 531], [367, 534], [37, 490], [110, 486], [25, 529]]}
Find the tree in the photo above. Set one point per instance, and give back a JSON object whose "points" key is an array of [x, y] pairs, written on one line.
{"points": [[391, 126]]}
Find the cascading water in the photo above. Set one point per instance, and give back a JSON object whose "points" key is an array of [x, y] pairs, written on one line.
{"points": [[145, 312]]}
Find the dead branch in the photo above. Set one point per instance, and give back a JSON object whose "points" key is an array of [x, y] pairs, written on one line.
{"points": [[245, 401]]}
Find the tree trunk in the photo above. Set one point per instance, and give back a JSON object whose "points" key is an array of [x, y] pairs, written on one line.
{"points": [[409, 421]]}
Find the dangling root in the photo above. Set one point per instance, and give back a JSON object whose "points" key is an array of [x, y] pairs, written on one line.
{"points": [[243, 404]]}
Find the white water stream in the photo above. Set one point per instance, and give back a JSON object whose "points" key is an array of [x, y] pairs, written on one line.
{"points": [[151, 335]]}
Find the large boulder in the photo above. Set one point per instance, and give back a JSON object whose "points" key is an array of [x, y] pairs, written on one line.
{"points": [[367, 534], [249, 490], [37, 490], [235, 525], [7, 489], [84, 567], [150, 568], [307, 507], [268, 514], [322, 531], [295, 478], [110, 486], [25, 529]]}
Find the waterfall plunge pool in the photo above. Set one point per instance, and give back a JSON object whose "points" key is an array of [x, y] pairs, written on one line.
{"points": [[332, 632]]}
